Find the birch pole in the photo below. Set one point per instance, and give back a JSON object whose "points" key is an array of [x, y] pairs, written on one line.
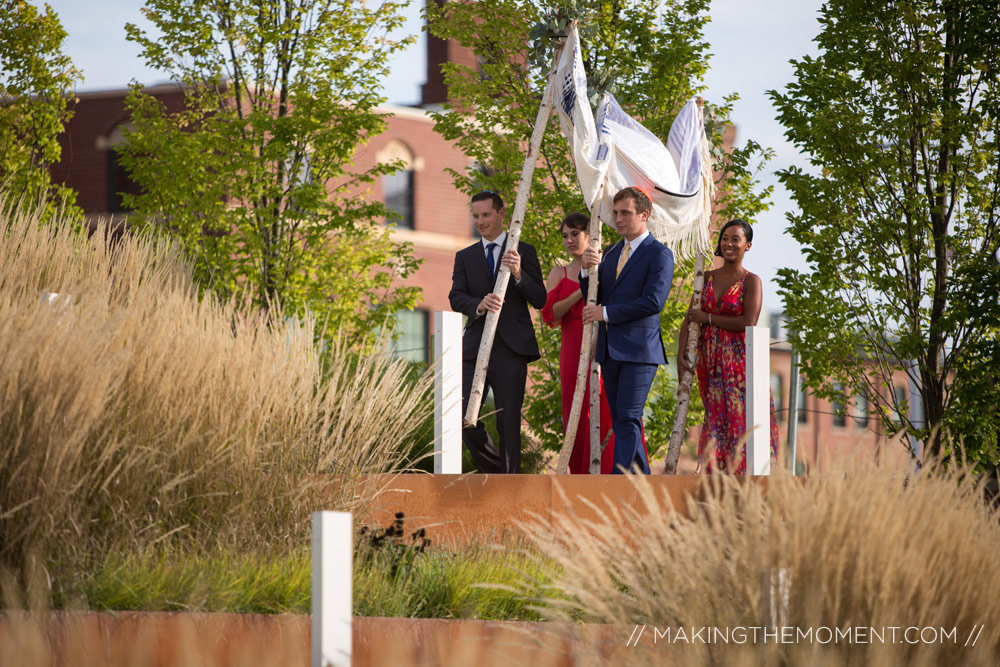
{"points": [[586, 351], [513, 236], [686, 378], [694, 329], [596, 446]]}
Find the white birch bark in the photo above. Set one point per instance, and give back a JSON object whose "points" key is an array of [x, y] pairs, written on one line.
{"points": [[586, 352], [694, 329], [596, 447], [513, 236], [686, 378]]}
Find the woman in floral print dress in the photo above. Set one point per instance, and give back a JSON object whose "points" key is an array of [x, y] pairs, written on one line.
{"points": [[730, 302]]}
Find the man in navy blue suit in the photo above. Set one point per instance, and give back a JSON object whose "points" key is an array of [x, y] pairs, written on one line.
{"points": [[634, 281]]}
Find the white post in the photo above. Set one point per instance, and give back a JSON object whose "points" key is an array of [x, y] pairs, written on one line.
{"points": [[758, 401], [332, 549], [448, 393]]}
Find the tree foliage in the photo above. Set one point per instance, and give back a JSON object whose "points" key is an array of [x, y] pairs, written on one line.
{"points": [[650, 54], [253, 175], [36, 88], [898, 215]]}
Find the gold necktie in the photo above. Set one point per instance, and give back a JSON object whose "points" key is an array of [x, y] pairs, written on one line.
{"points": [[624, 258]]}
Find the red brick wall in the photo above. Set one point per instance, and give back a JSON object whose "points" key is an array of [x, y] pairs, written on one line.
{"points": [[442, 223], [84, 163]]}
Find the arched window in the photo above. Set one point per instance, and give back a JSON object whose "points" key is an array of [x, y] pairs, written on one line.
{"points": [[899, 413], [397, 188], [119, 180], [803, 415], [486, 172], [861, 410], [839, 406]]}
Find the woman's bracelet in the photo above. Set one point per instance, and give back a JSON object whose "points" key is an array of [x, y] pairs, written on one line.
{"points": [[710, 319]]}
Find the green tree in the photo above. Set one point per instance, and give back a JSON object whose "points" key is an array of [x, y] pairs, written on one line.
{"points": [[651, 55], [253, 174], [36, 88], [898, 214]]}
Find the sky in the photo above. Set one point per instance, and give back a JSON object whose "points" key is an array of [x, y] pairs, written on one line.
{"points": [[752, 42]]}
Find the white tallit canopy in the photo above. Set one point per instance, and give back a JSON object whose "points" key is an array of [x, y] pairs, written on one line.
{"points": [[618, 152]]}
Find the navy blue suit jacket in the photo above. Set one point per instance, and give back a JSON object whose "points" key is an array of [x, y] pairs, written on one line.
{"points": [[633, 301]]}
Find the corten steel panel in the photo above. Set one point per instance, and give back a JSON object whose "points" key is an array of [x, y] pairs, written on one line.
{"points": [[457, 509], [581, 494], [155, 639], [159, 639], [462, 508]]}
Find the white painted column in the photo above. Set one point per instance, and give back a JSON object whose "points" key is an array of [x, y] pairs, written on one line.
{"points": [[447, 392], [332, 603], [758, 401]]}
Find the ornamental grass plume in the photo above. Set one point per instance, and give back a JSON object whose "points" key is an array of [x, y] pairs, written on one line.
{"points": [[132, 410], [863, 550]]}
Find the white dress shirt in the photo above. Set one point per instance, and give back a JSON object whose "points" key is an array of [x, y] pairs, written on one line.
{"points": [[496, 251]]}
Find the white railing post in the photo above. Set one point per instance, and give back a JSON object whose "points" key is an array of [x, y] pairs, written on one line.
{"points": [[447, 392], [332, 603], [758, 401]]}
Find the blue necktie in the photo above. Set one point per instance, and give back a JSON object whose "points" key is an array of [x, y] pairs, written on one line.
{"points": [[490, 262]]}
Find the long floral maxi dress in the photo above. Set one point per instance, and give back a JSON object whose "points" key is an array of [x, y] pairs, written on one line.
{"points": [[722, 383]]}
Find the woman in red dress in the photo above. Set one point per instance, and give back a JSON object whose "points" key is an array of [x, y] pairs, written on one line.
{"points": [[564, 306], [730, 302]]}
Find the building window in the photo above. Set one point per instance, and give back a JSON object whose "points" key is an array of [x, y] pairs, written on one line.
{"points": [[778, 395], [482, 62], [777, 326], [803, 415], [411, 342], [298, 166], [839, 409], [119, 180], [861, 410], [900, 394], [481, 174], [398, 191], [398, 187]]}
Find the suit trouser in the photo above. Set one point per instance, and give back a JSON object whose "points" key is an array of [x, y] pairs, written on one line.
{"points": [[627, 386], [506, 375]]}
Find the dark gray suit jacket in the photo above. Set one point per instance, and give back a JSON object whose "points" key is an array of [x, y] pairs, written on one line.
{"points": [[471, 281]]}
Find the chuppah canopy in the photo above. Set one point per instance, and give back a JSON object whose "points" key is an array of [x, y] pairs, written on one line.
{"points": [[616, 151]]}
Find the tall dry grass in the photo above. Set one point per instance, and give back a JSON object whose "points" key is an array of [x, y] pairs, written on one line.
{"points": [[132, 411], [860, 548]]}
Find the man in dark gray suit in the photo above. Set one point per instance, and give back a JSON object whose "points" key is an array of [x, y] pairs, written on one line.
{"points": [[514, 345]]}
